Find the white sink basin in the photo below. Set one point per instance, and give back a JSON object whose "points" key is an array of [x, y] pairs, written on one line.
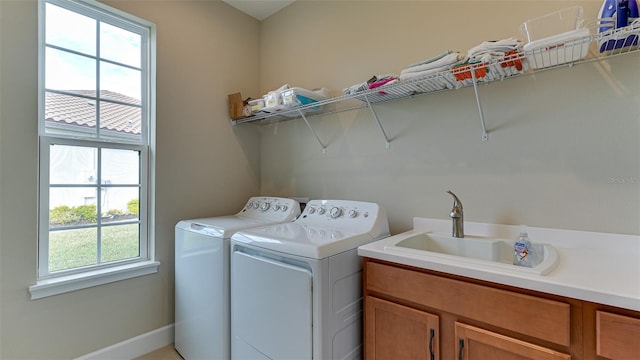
{"points": [[480, 252]]}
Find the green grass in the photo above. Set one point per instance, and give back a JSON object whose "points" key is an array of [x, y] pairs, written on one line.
{"points": [[69, 249]]}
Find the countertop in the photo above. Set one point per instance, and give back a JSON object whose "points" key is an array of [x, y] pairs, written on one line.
{"points": [[597, 267]]}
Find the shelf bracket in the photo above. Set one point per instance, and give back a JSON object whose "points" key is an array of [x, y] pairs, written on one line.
{"points": [[485, 136], [373, 112], [324, 147]]}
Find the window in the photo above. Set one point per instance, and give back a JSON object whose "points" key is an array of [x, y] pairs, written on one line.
{"points": [[96, 117]]}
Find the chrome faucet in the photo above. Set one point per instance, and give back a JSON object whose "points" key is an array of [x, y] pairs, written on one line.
{"points": [[457, 216]]}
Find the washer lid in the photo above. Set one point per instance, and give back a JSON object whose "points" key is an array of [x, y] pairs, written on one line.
{"points": [[259, 211], [302, 239], [222, 226]]}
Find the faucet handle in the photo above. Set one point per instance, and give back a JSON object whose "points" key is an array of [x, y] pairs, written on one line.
{"points": [[457, 216], [457, 204]]}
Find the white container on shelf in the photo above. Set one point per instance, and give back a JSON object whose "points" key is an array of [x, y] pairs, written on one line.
{"points": [[272, 99], [256, 105], [297, 96], [558, 49]]}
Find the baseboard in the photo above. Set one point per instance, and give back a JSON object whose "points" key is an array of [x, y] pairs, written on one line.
{"points": [[134, 347]]}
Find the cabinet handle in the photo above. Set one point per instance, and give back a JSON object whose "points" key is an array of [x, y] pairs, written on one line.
{"points": [[432, 334], [460, 347]]}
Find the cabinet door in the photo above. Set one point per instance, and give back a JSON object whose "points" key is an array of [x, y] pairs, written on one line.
{"points": [[618, 337], [473, 343], [393, 331]]}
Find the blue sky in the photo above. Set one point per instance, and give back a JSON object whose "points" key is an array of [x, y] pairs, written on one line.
{"points": [[68, 71]]}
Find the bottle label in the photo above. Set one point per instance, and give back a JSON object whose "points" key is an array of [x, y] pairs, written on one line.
{"points": [[521, 250]]}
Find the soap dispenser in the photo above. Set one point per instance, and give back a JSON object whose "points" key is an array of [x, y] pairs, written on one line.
{"points": [[523, 251]]}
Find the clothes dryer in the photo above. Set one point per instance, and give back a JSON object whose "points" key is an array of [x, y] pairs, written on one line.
{"points": [[296, 288], [202, 312]]}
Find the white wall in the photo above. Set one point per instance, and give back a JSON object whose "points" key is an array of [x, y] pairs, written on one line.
{"points": [[563, 149], [206, 50]]}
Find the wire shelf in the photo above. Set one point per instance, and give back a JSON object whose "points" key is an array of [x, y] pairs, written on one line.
{"points": [[565, 52]]}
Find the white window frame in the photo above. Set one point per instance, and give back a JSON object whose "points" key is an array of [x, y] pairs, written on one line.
{"points": [[52, 283]]}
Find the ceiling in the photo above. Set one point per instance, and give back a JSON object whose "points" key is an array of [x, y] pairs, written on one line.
{"points": [[259, 9]]}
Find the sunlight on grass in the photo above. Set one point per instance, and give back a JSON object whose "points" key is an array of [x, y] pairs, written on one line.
{"points": [[120, 242], [75, 248]]}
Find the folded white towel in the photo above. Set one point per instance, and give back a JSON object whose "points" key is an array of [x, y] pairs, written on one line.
{"points": [[489, 50], [495, 46], [427, 61], [355, 88], [503, 45], [447, 60], [424, 73]]}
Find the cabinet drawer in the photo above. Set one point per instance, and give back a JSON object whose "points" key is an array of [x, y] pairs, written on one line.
{"points": [[617, 336], [541, 318], [477, 343]]}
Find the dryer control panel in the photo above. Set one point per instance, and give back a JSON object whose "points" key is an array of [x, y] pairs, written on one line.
{"points": [[272, 208], [357, 216]]}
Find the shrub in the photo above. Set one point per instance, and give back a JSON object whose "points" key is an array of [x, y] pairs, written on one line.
{"points": [[134, 206], [61, 215], [114, 212], [64, 214], [86, 213]]}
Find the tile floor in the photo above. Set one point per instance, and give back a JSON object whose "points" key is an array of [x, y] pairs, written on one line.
{"points": [[165, 353]]}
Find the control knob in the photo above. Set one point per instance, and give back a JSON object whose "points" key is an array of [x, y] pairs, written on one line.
{"points": [[322, 210], [335, 212], [353, 213], [283, 208], [264, 206]]}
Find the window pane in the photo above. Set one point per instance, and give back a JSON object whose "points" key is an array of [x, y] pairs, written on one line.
{"points": [[69, 115], [119, 45], [120, 204], [120, 122], [72, 206], [70, 30], [72, 248], [72, 165], [120, 242], [70, 72], [120, 167], [120, 83]]}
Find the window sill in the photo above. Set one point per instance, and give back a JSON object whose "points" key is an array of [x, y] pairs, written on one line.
{"points": [[63, 284]]}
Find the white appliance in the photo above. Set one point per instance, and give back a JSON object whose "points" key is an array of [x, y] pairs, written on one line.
{"points": [[296, 288], [202, 313]]}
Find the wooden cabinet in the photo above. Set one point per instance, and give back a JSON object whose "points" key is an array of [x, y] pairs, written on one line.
{"points": [[473, 319], [399, 332]]}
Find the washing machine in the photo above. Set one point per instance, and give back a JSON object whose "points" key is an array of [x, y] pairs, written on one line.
{"points": [[202, 312], [296, 288]]}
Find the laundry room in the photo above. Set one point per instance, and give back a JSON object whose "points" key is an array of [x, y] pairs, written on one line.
{"points": [[552, 148]]}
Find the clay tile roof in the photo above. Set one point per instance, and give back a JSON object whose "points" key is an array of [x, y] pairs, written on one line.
{"points": [[81, 111]]}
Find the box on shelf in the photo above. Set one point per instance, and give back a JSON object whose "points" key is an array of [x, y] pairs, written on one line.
{"points": [[235, 106]]}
